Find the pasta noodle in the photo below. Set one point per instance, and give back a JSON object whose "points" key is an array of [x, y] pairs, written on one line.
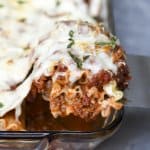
{"points": [[10, 123]]}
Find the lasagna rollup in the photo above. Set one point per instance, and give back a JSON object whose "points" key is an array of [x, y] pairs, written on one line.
{"points": [[80, 70]]}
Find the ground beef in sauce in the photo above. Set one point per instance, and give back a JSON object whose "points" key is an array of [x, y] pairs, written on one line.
{"points": [[81, 106]]}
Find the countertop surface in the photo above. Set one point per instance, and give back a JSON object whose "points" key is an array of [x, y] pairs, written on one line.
{"points": [[132, 25]]}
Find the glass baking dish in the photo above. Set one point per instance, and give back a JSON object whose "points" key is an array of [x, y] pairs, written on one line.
{"points": [[66, 140]]}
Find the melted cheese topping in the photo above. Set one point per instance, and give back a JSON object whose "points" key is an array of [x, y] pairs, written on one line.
{"points": [[52, 51], [95, 6], [13, 70], [13, 99], [73, 10], [29, 36], [23, 24]]}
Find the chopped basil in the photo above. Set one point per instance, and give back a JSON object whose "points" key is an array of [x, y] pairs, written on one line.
{"points": [[21, 2], [1, 105], [1, 5], [71, 34], [112, 43], [77, 60]]}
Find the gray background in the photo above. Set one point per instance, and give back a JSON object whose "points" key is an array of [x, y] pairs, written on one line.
{"points": [[132, 25], [132, 22]]}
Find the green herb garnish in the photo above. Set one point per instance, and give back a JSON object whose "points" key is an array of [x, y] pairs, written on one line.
{"points": [[71, 43], [58, 3], [86, 57], [1, 5], [112, 43], [77, 60], [1, 105], [22, 20], [71, 34], [26, 48], [21, 2]]}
